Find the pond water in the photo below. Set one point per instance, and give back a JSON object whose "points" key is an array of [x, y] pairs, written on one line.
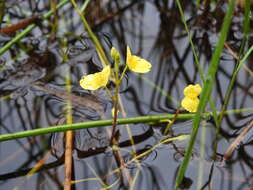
{"points": [[33, 95]]}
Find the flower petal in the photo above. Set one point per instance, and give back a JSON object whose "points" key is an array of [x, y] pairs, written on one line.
{"points": [[190, 104], [137, 64], [129, 54], [105, 75], [192, 91], [96, 80]]}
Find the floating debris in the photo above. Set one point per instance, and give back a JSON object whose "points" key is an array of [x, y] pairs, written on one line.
{"points": [[9, 30], [247, 131], [88, 100]]}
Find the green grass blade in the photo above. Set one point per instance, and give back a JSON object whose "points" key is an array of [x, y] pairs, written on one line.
{"points": [[246, 25], [208, 84], [85, 4]]}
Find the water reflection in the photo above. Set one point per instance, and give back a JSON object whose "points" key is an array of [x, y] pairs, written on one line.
{"points": [[153, 29]]}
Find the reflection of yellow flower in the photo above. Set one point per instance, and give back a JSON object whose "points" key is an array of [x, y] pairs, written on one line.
{"points": [[96, 80], [137, 64], [190, 102]]}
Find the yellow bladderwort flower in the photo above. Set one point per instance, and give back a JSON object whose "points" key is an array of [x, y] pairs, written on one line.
{"points": [[191, 101], [96, 80], [192, 91], [190, 104], [137, 64]]}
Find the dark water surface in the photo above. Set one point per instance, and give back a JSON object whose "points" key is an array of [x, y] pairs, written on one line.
{"points": [[153, 30]]}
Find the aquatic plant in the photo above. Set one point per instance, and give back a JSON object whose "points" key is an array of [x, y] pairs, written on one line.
{"points": [[191, 101], [113, 73], [137, 64], [97, 80], [100, 79]]}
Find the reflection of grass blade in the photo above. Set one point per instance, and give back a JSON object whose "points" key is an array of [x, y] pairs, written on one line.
{"points": [[159, 89], [207, 89], [86, 100], [202, 154], [33, 171], [29, 29], [164, 141]]}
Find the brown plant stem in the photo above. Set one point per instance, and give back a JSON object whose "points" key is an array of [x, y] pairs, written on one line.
{"points": [[8, 30], [68, 160]]}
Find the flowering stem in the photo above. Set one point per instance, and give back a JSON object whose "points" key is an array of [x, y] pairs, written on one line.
{"points": [[114, 137], [115, 114], [116, 95]]}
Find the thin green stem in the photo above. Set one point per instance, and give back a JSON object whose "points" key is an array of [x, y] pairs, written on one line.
{"points": [[196, 59], [123, 73], [103, 123], [101, 53], [85, 4]]}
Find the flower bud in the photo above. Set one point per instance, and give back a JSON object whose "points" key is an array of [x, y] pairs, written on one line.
{"points": [[115, 54]]}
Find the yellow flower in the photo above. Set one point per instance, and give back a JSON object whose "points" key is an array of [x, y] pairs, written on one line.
{"points": [[191, 101], [192, 91], [190, 104], [136, 63], [96, 80]]}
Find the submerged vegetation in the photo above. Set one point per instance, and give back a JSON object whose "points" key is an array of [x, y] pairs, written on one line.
{"points": [[175, 114]]}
